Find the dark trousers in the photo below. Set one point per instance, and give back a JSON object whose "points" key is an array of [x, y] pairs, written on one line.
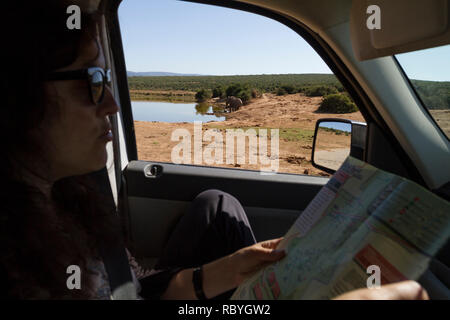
{"points": [[215, 225]]}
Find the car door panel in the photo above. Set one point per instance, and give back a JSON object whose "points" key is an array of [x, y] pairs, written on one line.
{"points": [[272, 202]]}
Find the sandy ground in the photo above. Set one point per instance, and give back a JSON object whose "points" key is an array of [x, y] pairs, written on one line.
{"points": [[294, 115], [331, 158], [442, 118]]}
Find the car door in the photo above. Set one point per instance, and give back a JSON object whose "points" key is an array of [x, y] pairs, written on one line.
{"points": [[156, 201]]}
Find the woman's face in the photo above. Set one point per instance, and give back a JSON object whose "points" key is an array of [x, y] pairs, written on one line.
{"points": [[77, 137]]}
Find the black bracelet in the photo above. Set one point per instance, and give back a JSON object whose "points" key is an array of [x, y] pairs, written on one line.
{"points": [[197, 280]]}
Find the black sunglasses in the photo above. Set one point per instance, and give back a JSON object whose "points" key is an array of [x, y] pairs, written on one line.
{"points": [[96, 77]]}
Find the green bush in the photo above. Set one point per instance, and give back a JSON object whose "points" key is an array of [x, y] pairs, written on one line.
{"points": [[236, 88], [340, 88], [289, 89], [241, 91], [318, 91], [245, 96], [202, 95], [281, 92], [337, 103], [218, 92]]}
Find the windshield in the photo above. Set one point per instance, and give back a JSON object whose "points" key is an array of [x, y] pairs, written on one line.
{"points": [[429, 72]]}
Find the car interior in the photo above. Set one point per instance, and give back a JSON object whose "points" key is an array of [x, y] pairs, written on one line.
{"points": [[400, 135]]}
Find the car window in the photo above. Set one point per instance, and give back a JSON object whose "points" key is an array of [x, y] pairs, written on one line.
{"points": [[220, 87], [429, 72]]}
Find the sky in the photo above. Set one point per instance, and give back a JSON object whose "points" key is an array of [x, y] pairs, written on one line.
{"points": [[182, 37]]}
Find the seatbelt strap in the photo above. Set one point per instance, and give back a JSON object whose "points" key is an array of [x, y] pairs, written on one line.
{"points": [[119, 273], [114, 258]]}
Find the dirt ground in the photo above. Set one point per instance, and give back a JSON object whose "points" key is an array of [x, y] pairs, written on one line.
{"points": [[293, 115], [442, 118]]}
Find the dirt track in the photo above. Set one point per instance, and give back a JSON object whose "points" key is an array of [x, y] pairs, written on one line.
{"points": [[331, 158], [294, 115]]}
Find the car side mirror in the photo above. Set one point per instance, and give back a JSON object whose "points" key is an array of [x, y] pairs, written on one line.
{"points": [[336, 139]]}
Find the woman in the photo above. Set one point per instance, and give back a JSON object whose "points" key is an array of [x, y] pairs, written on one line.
{"points": [[54, 90]]}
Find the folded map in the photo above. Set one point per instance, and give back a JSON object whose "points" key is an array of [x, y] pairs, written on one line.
{"points": [[363, 217]]}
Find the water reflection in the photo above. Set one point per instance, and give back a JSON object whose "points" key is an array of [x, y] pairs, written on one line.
{"points": [[205, 108], [175, 112]]}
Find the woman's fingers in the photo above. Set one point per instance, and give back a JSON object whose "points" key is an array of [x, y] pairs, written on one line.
{"points": [[271, 244], [266, 250], [405, 290]]}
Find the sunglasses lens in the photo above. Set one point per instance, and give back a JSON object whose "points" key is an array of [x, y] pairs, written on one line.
{"points": [[97, 86]]}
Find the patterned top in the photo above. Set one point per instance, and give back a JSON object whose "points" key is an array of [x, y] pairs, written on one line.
{"points": [[101, 277]]}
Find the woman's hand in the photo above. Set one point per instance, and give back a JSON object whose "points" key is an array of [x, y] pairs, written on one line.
{"points": [[405, 290], [249, 260], [226, 273]]}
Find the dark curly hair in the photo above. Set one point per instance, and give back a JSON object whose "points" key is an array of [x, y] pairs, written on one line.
{"points": [[39, 239]]}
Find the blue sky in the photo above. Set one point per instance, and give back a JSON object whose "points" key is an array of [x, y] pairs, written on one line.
{"points": [[181, 37]]}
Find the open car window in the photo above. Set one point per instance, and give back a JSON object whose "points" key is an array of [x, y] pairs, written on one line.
{"points": [[220, 87], [429, 73]]}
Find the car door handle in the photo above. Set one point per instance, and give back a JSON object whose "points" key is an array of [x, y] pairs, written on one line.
{"points": [[153, 171]]}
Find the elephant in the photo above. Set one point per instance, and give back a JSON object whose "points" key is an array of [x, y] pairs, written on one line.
{"points": [[233, 103]]}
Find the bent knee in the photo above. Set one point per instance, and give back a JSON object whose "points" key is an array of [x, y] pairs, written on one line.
{"points": [[213, 196], [209, 198], [218, 201]]}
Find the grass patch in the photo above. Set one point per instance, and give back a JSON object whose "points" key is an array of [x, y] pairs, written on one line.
{"points": [[297, 135], [286, 134], [167, 96]]}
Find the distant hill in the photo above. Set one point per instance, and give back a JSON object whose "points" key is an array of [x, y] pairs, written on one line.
{"points": [[160, 74]]}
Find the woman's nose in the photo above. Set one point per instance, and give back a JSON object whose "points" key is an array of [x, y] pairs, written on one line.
{"points": [[108, 105]]}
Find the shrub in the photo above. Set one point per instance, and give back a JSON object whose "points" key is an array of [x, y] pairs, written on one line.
{"points": [[289, 89], [340, 88], [236, 88], [245, 96], [202, 95], [241, 91], [281, 92], [318, 91], [218, 92], [337, 103]]}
